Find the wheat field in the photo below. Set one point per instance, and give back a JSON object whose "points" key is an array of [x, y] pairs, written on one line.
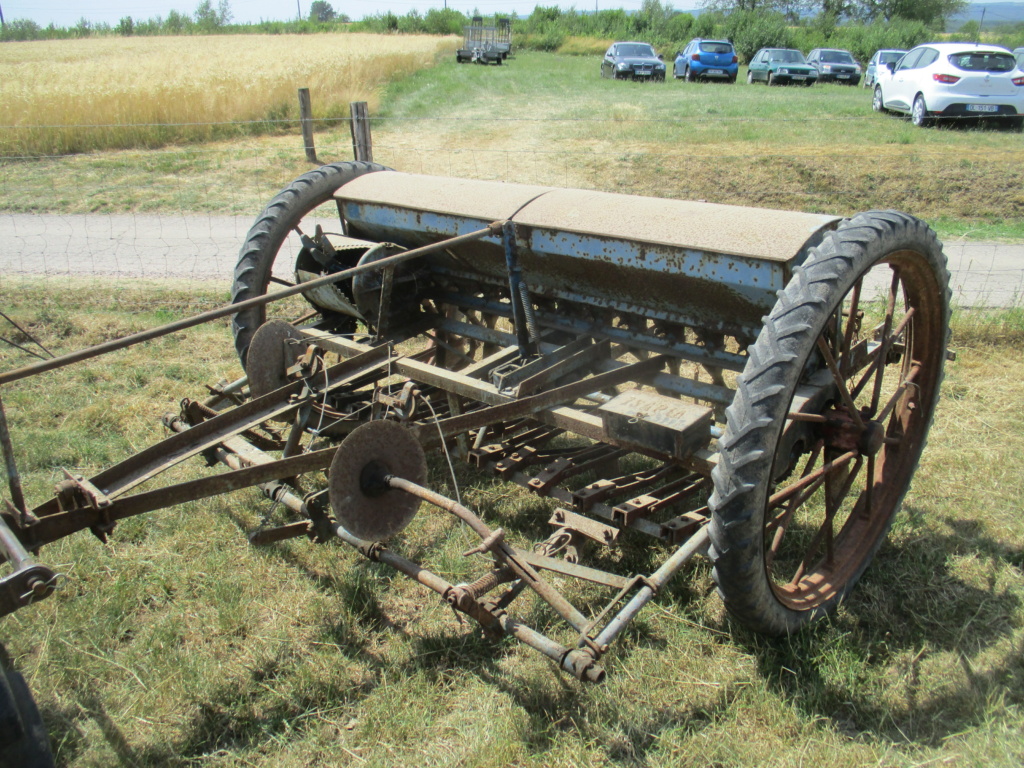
{"points": [[62, 97]]}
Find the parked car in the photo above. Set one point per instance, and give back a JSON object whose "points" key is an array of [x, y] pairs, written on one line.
{"points": [[777, 66], [1018, 54], [834, 66], [878, 61], [953, 80], [632, 61], [707, 60]]}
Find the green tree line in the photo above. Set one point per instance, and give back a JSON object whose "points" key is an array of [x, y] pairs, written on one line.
{"points": [[860, 26]]}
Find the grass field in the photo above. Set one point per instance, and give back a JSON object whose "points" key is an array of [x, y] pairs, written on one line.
{"points": [[550, 119], [178, 644]]}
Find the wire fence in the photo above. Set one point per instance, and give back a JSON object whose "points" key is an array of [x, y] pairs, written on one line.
{"points": [[196, 203]]}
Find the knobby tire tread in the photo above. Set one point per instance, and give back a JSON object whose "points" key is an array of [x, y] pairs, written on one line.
{"points": [[264, 239], [764, 391]]}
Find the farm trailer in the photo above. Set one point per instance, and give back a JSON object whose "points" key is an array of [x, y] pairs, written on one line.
{"points": [[486, 44], [676, 376]]}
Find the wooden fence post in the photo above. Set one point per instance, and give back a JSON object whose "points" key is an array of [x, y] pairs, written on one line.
{"points": [[306, 119], [362, 145]]}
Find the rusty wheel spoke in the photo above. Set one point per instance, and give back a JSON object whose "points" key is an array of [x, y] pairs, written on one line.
{"points": [[840, 382], [779, 523], [780, 497], [826, 531], [851, 322], [875, 356], [908, 382], [883, 352]]}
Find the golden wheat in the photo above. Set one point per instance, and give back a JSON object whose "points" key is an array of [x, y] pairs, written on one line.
{"points": [[71, 96]]}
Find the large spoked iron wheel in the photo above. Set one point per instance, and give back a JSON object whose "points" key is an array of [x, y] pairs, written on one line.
{"points": [[829, 421], [272, 244]]}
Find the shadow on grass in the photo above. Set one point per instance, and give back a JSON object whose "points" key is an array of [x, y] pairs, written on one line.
{"points": [[910, 610], [865, 670]]}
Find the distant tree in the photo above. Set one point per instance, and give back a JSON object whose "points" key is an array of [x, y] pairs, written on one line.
{"points": [[411, 23], [176, 22], [20, 29], [540, 15], [678, 27], [729, 6], [126, 26], [704, 25], [837, 8], [208, 18], [934, 13], [793, 10], [752, 30], [321, 10], [656, 13], [83, 28], [446, 21], [205, 16], [969, 30]]}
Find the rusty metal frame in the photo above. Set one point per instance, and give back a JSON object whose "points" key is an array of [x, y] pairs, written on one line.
{"points": [[536, 404]]}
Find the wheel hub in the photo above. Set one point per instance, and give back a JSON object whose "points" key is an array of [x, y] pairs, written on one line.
{"points": [[843, 433], [872, 438], [359, 494]]}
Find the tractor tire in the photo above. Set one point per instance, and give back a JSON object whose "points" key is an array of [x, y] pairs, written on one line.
{"points": [[267, 236], [770, 523]]}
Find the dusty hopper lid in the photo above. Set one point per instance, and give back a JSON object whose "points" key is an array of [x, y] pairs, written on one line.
{"points": [[710, 227]]}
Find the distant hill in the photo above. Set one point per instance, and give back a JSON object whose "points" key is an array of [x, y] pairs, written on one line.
{"points": [[995, 13]]}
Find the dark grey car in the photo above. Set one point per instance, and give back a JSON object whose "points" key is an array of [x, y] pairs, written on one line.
{"points": [[834, 66], [632, 61]]}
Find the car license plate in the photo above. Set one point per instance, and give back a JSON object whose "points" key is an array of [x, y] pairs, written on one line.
{"points": [[641, 73], [799, 77], [714, 72], [982, 108], [842, 77]]}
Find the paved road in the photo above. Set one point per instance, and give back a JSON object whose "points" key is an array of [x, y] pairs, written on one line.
{"points": [[204, 248]]}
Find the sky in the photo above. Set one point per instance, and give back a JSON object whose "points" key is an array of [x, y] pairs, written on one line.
{"points": [[66, 13]]}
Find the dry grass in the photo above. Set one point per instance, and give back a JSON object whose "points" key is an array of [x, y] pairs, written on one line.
{"points": [[177, 644], [584, 46], [70, 96]]}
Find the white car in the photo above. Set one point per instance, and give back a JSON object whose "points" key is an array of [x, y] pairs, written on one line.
{"points": [[953, 80]]}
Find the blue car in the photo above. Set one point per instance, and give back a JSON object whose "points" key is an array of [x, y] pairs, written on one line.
{"points": [[707, 60]]}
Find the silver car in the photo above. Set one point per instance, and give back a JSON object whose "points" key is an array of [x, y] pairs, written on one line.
{"points": [[879, 60]]}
